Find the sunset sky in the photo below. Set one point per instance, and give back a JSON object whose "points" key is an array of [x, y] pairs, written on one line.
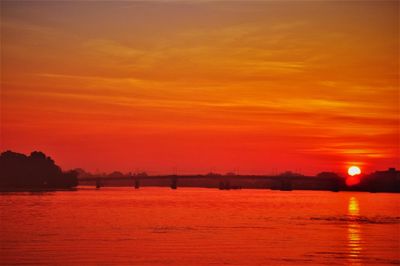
{"points": [[200, 86]]}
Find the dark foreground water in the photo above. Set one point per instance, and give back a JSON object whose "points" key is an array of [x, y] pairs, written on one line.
{"points": [[159, 226]]}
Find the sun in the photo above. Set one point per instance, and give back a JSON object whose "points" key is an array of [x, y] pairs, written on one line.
{"points": [[354, 170]]}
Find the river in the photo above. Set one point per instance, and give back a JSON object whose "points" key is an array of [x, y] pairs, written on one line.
{"points": [[195, 226]]}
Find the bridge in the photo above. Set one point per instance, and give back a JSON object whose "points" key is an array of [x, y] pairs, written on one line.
{"points": [[282, 182]]}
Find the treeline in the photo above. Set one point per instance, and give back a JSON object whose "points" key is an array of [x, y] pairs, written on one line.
{"points": [[379, 181], [34, 171]]}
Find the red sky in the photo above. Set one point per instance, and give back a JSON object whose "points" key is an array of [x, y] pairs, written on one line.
{"points": [[199, 86]]}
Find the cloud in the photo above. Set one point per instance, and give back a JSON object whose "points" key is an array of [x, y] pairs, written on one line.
{"points": [[112, 48]]}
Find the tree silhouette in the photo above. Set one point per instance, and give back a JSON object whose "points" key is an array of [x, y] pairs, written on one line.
{"points": [[34, 171]]}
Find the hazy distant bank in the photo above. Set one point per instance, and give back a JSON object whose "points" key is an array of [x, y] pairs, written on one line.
{"points": [[380, 181]]}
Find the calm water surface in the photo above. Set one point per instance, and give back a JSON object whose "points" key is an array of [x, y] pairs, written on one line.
{"points": [[193, 226]]}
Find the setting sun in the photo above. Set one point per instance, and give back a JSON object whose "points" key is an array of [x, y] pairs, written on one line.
{"points": [[354, 170]]}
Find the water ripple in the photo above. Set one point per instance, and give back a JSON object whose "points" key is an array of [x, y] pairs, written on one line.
{"points": [[359, 219]]}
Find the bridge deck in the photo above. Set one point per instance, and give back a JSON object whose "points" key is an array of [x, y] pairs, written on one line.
{"points": [[214, 177]]}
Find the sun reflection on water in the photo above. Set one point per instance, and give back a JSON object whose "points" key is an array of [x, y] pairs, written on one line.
{"points": [[354, 232]]}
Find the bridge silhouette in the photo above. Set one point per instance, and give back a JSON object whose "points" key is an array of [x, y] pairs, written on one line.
{"points": [[282, 182]]}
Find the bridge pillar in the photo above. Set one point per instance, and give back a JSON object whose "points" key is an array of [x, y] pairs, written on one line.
{"points": [[98, 183], [227, 185], [174, 183], [286, 184], [335, 185], [224, 185], [137, 183]]}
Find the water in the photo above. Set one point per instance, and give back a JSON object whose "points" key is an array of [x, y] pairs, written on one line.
{"points": [[193, 226]]}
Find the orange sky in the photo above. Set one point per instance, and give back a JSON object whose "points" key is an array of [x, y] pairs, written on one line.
{"points": [[199, 86]]}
